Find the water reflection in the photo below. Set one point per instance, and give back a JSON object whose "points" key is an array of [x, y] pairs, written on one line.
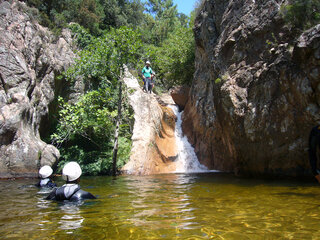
{"points": [[71, 219], [41, 195], [68, 212], [163, 201]]}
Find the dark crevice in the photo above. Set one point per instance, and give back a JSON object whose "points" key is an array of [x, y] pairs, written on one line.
{"points": [[3, 84]]}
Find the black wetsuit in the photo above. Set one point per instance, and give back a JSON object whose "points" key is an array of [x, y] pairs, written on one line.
{"points": [[314, 144], [46, 182], [71, 192]]}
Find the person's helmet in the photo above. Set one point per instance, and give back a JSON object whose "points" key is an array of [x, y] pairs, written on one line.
{"points": [[71, 171], [147, 62], [45, 171]]}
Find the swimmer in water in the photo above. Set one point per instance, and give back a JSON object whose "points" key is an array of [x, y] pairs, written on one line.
{"points": [[71, 191], [45, 181]]}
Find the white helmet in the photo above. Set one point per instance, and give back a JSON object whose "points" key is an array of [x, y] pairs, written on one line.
{"points": [[45, 171], [147, 62], [71, 171]]}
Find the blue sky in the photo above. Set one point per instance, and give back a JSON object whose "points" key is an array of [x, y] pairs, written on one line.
{"points": [[185, 6]]}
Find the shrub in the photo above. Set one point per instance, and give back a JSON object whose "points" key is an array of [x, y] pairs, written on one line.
{"points": [[301, 14]]}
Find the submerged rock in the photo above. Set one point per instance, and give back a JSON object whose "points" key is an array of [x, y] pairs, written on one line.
{"points": [[255, 94]]}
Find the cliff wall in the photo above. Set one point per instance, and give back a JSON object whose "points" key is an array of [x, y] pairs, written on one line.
{"points": [[31, 58], [255, 93]]}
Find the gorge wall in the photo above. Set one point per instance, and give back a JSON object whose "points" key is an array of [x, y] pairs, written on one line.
{"points": [[31, 58], [256, 93]]}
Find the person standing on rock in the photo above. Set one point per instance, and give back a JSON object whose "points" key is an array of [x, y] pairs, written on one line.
{"points": [[44, 174], [314, 144], [147, 74], [71, 191]]}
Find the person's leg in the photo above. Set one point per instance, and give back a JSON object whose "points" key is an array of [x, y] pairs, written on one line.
{"points": [[150, 87], [147, 84], [144, 84]]}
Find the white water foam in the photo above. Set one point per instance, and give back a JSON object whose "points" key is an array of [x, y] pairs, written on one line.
{"points": [[187, 161]]}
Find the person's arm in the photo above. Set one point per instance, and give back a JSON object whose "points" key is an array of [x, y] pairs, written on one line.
{"points": [[52, 195], [143, 73], [81, 195], [51, 184]]}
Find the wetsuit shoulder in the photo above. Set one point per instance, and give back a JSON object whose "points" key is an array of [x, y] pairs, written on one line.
{"points": [[81, 195]]}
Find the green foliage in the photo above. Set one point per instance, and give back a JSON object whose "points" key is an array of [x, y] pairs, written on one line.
{"points": [[302, 14], [95, 162], [81, 35], [57, 14], [122, 13], [85, 132], [169, 44], [217, 81], [124, 151], [88, 125], [173, 60], [165, 20], [102, 61], [91, 117], [222, 78], [94, 15], [167, 36], [91, 162]]}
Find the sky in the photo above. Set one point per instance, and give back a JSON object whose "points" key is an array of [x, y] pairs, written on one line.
{"points": [[185, 6]]}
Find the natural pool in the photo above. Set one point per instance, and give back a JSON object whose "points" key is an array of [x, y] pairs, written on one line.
{"points": [[171, 206]]}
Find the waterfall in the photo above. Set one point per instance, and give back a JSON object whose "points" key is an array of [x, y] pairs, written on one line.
{"points": [[187, 161]]}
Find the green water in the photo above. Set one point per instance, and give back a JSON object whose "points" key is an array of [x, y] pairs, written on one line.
{"points": [[172, 206]]}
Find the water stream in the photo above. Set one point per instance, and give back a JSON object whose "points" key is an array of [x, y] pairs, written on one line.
{"points": [[187, 161]]}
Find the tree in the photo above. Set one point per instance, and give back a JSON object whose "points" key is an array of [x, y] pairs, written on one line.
{"points": [[166, 19], [122, 13], [126, 44], [102, 64], [173, 60], [158, 7]]}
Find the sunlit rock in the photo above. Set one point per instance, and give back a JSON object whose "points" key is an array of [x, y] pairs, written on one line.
{"points": [[153, 141]]}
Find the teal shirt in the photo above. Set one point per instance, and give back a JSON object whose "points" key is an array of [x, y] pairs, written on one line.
{"points": [[147, 72]]}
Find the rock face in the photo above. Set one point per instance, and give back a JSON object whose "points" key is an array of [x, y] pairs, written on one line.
{"points": [[30, 61], [154, 144], [180, 95], [255, 94]]}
